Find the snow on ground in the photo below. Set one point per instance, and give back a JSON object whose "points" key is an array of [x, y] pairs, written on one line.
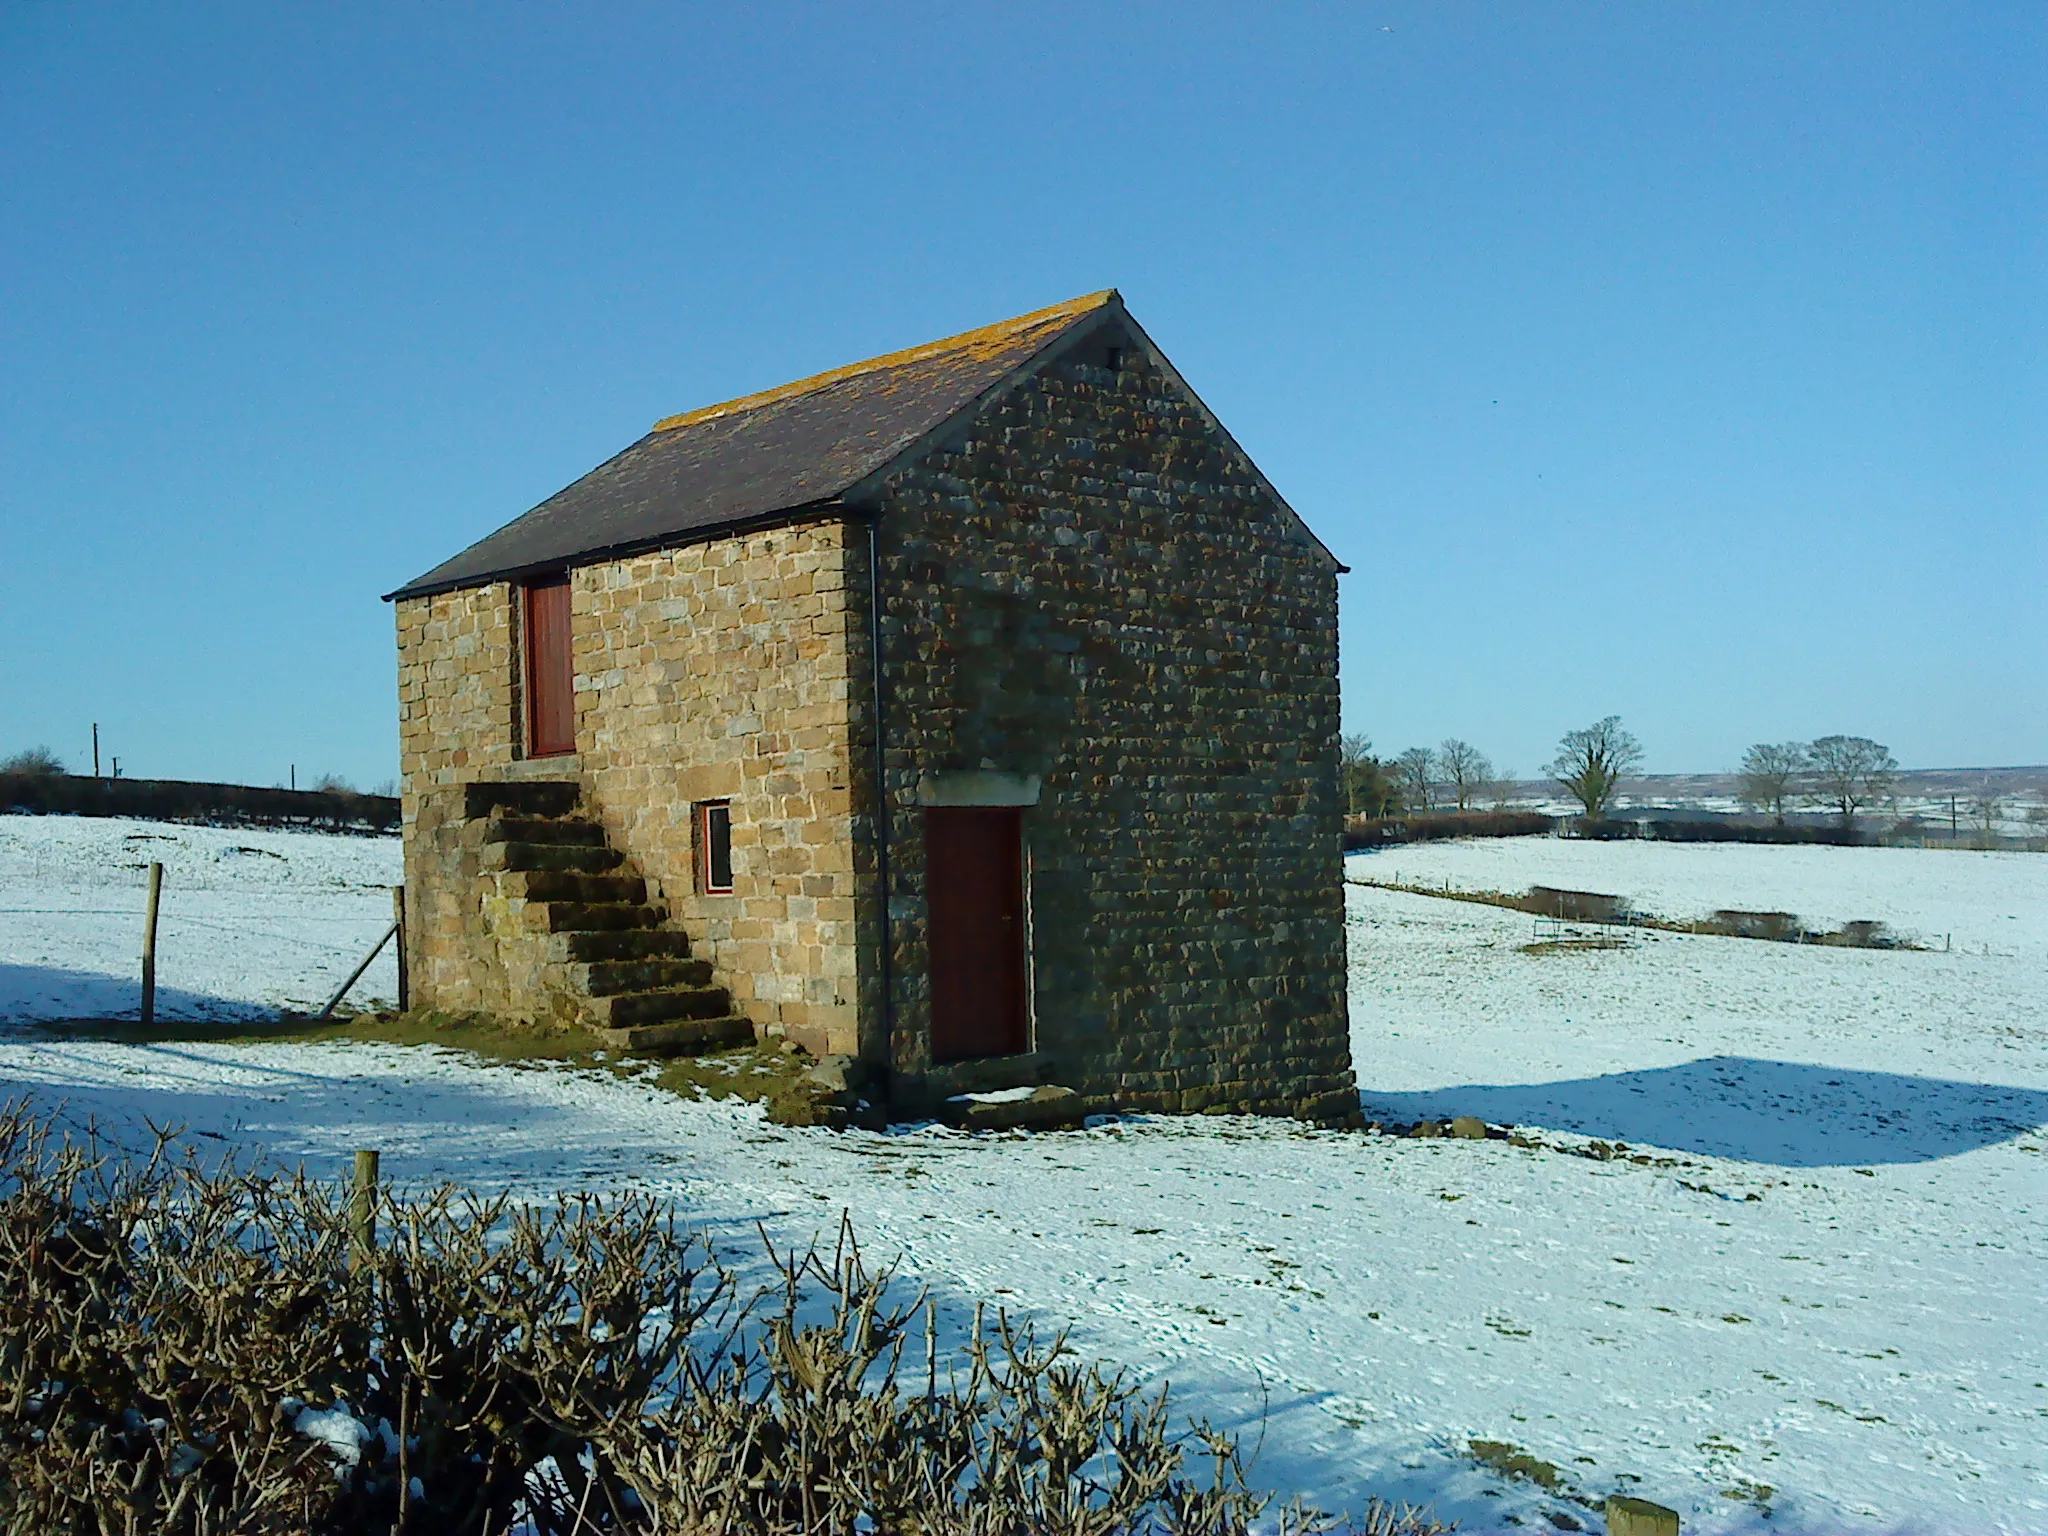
{"points": [[1984, 900], [1834, 1294], [250, 922]]}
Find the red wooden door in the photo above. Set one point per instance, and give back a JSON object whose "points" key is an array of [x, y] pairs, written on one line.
{"points": [[550, 674], [974, 886]]}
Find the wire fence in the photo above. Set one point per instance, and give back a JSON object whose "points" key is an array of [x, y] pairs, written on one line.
{"points": [[274, 966]]}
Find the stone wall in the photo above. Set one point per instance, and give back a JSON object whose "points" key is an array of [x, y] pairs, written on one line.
{"points": [[714, 671], [457, 689], [1092, 585], [458, 680], [721, 671]]}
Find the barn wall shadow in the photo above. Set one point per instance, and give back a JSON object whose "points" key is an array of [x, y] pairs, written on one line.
{"points": [[1781, 1112]]}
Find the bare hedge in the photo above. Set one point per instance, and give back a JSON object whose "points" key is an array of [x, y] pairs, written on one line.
{"points": [[196, 1351], [1383, 831], [1679, 831], [325, 810]]}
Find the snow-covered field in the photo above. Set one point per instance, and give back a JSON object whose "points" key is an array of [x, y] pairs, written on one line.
{"points": [[250, 921], [1834, 1292], [1997, 901]]}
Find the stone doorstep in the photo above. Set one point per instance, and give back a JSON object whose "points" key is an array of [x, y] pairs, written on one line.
{"points": [[985, 1074], [1050, 1107], [680, 1037]]}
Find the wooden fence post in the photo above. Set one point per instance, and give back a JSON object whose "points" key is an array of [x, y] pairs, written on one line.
{"points": [[1639, 1517], [362, 1208], [356, 975], [156, 891], [404, 973]]}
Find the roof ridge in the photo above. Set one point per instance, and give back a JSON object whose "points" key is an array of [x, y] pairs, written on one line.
{"points": [[986, 335]]}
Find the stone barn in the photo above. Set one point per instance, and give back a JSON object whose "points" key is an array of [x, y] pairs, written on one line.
{"points": [[970, 712]]}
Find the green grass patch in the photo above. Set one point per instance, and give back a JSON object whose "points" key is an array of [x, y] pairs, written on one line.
{"points": [[478, 1033], [1510, 1460], [751, 1072]]}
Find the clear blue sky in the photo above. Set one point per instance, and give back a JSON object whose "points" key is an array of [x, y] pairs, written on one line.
{"points": [[1685, 362]]}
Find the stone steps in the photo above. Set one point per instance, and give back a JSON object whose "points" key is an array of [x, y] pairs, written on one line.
{"points": [[622, 1010], [610, 978], [550, 858], [554, 885], [573, 830], [680, 1037], [485, 801], [605, 959], [584, 916], [591, 944]]}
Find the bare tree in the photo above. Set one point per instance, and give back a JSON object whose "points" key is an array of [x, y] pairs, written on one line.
{"points": [[1415, 771], [1770, 775], [1590, 763], [1987, 809], [35, 762], [1501, 788], [1849, 772], [1368, 788], [1465, 769]]}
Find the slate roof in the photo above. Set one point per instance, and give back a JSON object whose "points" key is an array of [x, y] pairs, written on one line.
{"points": [[766, 454]]}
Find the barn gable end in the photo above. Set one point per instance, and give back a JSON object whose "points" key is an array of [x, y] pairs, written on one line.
{"points": [[1092, 587]]}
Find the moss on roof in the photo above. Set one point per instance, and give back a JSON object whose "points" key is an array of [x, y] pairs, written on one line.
{"points": [[969, 347]]}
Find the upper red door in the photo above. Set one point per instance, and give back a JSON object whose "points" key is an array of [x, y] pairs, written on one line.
{"points": [[550, 674], [974, 887]]}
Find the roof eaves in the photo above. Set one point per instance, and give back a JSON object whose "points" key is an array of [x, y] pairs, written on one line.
{"points": [[826, 509]]}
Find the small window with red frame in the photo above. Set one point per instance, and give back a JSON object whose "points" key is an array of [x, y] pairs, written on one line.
{"points": [[714, 847]]}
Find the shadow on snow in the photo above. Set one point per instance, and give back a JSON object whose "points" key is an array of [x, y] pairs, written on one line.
{"points": [[479, 1130], [31, 993], [1740, 1107]]}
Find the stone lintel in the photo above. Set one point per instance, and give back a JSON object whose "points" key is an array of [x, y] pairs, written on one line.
{"points": [[977, 786]]}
